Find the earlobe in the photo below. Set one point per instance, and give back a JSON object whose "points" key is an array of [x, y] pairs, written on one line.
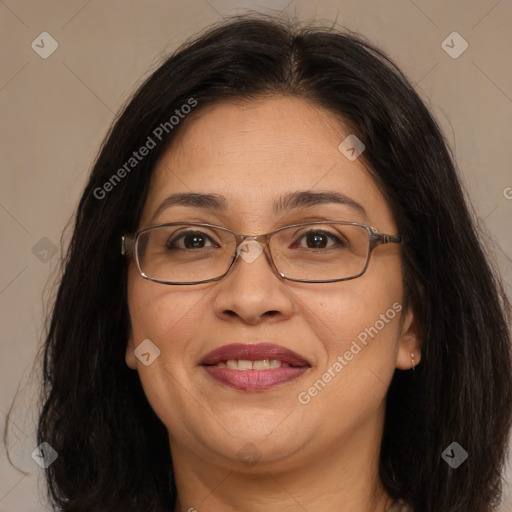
{"points": [[130, 358], [409, 348]]}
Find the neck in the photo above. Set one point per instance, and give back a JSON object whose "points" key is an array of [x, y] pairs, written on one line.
{"points": [[339, 478]]}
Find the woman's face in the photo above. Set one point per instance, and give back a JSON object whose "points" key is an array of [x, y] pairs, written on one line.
{"points": [[350, 335]]}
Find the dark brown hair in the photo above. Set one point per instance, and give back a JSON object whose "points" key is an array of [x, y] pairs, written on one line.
{"points": [[114, 451]]}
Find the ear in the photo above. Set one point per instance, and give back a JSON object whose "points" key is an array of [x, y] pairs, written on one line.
{"points": [[409, 341], [130, 358]]}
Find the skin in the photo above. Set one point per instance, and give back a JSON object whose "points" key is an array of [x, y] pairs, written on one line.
{"points": [[319, 456]]}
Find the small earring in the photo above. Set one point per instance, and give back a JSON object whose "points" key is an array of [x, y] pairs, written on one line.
{"points": [[413, 364]]}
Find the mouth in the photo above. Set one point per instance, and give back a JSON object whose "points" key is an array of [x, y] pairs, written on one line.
{"points": [[254, 367]]}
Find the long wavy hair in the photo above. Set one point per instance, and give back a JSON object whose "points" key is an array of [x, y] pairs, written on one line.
{"points": [[113, 449]]}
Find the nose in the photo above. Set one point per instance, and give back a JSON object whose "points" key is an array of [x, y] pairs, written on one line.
{"points": [[252, 289], [251, 248]]}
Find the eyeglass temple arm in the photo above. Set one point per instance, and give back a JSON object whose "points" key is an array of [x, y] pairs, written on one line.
{"points": [[381, 238], [127, 243]]}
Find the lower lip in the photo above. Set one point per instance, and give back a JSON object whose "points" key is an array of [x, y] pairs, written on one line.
{"points": [[255, 380]]}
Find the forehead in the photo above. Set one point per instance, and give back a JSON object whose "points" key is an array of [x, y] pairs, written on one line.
{"points": [[257, 151], [282, 127]]}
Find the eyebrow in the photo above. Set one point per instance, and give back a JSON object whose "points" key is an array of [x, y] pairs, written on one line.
{"points": [[291, 201]]}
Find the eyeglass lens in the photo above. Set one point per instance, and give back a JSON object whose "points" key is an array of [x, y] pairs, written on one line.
{"points": [[188, 253]]}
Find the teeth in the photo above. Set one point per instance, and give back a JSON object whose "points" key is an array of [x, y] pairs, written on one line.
{"points": [[244, 364], [262, 364]]}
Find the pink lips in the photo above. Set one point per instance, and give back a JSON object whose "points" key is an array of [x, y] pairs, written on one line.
{"points": [[254, 380]]}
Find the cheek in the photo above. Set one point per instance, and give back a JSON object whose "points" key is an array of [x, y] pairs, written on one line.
{"points": [[159, 312], [360, 310], [169, 319], [358, 326]]}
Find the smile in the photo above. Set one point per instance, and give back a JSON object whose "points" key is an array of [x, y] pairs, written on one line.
{"points": [[245, 364], [250, 367]]}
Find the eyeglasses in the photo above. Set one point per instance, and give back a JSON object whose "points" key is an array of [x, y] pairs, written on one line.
{"points": [[309, 252]]}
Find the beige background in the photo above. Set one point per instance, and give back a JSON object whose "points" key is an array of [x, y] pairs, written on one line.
{"points": [[56, 111]]}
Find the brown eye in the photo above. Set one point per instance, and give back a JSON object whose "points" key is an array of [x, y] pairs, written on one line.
{"points": [[189, 240], [318, 239]]}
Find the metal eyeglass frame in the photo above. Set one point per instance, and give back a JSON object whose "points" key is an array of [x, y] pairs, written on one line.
{"points": [[129, 243]]}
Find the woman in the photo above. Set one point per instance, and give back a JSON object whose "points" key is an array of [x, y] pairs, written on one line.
{"points": [[275, 297]]}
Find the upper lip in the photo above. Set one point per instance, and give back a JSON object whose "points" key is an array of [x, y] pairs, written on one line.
{"points": [[252, 352]]}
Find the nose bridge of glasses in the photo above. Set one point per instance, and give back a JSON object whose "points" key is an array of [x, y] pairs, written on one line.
{"points": [[260, 239], [249, 248]]}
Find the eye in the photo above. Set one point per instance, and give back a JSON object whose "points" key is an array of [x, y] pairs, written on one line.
{"points": [[319, 239], [189, 240]]}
